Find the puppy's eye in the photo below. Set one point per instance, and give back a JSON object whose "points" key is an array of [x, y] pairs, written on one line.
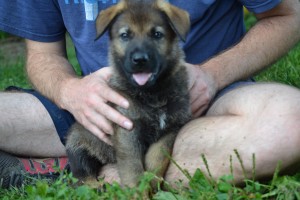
{"points": [[157, 35], [124, 36]]}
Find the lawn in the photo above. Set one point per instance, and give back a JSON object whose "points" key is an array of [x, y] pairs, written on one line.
{"points": [[286, 70]]}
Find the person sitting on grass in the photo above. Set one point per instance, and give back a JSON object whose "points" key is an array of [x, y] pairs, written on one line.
{"points": [[230, 111]]}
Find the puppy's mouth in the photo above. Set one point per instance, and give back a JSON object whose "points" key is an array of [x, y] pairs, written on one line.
{"points": [[142, 78]]}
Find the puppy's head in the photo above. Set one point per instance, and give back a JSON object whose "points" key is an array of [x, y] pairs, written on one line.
{"points": [[144, 38]]}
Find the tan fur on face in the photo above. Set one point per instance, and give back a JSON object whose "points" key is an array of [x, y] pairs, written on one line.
{"points": [[178, 18], [105, 17], [141, 30]]}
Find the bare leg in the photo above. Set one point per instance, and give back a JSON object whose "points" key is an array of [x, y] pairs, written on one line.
{"points": [[261, 119], [26, 127]]}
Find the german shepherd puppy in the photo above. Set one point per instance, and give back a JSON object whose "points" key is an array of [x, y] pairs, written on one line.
{"points": [[149, 72]]}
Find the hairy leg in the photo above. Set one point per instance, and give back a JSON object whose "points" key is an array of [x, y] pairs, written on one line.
{"points": [[26, 127], [260, 119]]}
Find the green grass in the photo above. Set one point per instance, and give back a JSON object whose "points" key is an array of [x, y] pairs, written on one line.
{"points": [[12, 67], [3, 35], [199, 188], [286, 70]]}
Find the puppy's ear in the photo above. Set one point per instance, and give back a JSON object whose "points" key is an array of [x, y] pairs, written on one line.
{"points": [[178, 18], [106, 17]]}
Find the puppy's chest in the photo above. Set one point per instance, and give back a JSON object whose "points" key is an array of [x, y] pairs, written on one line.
{"points": [[156, 118], [162, 120]]}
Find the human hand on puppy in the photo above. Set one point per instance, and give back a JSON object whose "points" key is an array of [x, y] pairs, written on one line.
{"points": [[201, 87], [87, 100]]}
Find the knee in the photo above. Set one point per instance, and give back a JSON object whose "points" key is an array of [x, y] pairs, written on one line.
{"points": [[258, 99], [283, 110]]}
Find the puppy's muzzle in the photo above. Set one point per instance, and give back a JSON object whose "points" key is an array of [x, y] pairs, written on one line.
{"points": [[142, 67], [141, 70], [139, 58]]}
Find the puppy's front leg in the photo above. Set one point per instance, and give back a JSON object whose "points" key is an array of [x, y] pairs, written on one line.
{"points": [[129, 157], [156, 159]]}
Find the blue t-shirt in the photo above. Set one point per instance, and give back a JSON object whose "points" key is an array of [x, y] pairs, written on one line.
{"points": [[215, 25]]}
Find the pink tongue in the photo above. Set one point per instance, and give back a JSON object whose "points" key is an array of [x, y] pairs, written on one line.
{"points": [[141, 78]]}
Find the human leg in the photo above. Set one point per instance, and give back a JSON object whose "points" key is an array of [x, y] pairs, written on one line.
{"points": [[27, 131], [26, 127], [260, 119]]}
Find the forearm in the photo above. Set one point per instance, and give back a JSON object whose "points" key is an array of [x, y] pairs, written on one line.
{"points": [[267, 41], [49, 70]]}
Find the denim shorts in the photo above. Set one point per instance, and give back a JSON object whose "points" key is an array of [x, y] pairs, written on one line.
{"points": [[63, 120]]}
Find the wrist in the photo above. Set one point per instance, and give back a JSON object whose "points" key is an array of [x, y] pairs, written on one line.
{"points": [[63, 99], [210, 79], [216, 70]]}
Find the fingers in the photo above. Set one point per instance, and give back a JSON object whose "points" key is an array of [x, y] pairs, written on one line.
{"points": [[194, 95], [106, 94], [198, 111], [99, 114], [199, 98], [199, 105], [200, 88], [96, 131], [87, 99], [112, 96], [112, 115], [105, 73], [100, 121], [191, 75]]}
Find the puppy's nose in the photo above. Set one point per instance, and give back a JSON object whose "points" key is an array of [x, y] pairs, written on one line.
{"points": [[139, 58]]}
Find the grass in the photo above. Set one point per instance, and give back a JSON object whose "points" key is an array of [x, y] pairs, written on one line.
{"points": [[286, 70], [200, 188], [12, 61]]}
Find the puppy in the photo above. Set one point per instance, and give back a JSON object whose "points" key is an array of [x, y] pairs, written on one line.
{"points": [[149, 71]]}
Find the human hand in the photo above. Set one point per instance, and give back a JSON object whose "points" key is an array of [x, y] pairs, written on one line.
{"points": [[202, 89], [87, 100]]}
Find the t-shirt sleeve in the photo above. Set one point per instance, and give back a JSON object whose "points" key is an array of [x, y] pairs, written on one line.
{"points": [[260, 6], [38, 20]]}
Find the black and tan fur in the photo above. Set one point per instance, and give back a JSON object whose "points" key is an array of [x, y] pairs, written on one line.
{"points": [[144, 37]]}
